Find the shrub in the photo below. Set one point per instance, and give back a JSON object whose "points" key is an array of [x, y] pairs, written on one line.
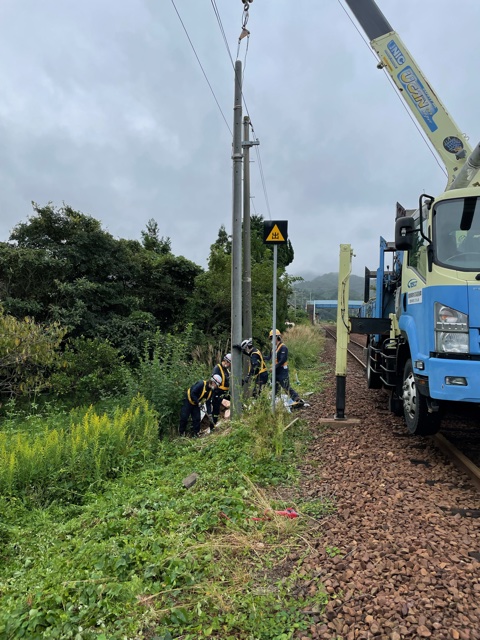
{"points": [[27, 351], [90, 370], [165, 372]]}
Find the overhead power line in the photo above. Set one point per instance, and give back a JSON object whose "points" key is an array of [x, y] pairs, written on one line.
{"points": [[201, 67]]}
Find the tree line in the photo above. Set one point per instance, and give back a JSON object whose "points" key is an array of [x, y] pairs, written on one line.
{"points": [[99, 298]]}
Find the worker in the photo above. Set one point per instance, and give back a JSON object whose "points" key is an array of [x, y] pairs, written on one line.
{"points": [[222, 392], [257, 370], [282, 378], [199, 393]]}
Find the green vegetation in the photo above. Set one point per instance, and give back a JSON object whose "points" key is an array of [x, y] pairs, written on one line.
{"points": [[61, 267], [27, 350], [64, 462], [304, 344], [100, 539]]}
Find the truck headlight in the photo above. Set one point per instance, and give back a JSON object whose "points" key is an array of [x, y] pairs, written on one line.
{"points": [[451, 330]]}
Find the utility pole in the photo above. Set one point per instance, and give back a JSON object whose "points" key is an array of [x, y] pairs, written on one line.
{"points": [[247, 253], [236, 317]]}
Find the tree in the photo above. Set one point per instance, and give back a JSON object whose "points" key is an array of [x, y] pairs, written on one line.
{"points": [[152, 242], [62, 266], [211, 304]]}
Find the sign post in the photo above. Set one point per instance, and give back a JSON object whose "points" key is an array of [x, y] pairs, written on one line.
{"points": [[275, 232]]}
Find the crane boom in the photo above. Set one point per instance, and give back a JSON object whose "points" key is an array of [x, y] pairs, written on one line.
{"points": [[442, 131]]}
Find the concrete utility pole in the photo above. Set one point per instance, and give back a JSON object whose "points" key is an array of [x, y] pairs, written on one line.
{"points": [[247, 253], [236, 317]]}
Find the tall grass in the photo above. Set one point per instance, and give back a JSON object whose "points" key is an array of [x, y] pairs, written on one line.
{"points": [[65, 462], [304, 344], [267, 427]]}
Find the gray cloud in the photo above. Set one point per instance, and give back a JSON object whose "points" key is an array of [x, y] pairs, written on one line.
{"points": [[105, 107]]}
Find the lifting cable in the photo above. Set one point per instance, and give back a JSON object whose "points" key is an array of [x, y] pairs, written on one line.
{"points": [[245, 33]]}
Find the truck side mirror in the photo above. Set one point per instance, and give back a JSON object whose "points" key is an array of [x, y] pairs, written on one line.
{"points": [[404, 230]]}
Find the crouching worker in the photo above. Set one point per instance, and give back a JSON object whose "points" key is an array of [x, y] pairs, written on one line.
{"points": [[257, 370], [199, 393], [221, 370]]}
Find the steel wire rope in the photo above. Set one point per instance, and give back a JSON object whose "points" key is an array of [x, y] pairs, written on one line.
{"points": [[417, 126], [244, 34], [201, 67]]}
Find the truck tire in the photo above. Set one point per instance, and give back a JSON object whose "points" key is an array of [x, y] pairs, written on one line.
{"points": [[420, 422], [373, 378]]}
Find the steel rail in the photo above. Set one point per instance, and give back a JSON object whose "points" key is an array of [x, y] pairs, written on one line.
{"points": [[331, 334]]}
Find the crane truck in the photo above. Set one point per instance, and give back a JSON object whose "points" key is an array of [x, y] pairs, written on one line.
{"points": [[423, 326]]}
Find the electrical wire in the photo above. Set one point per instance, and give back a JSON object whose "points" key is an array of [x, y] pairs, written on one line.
{"points": [[417, 126], [222, 30], [201, 67]]}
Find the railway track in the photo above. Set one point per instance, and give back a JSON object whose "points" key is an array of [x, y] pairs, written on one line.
{"points": [[459, 437]]}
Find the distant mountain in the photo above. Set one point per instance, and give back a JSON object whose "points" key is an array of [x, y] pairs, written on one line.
{"points": [[325, 287], [306, 275]]}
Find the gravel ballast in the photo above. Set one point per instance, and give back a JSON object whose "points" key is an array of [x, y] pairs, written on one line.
{"points": [[397, 558]]}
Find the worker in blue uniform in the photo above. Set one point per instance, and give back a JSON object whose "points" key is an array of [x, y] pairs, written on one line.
{"points": [[282, 378], [199, 393], [257, 371], [222, 392]]}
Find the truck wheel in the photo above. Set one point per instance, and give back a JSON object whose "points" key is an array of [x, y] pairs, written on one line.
{"points": [[373, 379], [420, 422]]}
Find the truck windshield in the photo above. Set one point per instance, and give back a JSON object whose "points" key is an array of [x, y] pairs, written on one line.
{"points": [[456, 233]]}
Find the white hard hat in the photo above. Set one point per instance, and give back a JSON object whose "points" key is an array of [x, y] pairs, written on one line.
{"points": [[228, 357], [247, 344], [216, 379]]}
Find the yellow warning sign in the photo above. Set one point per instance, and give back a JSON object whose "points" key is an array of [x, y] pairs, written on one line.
{"points": [[275, 235], [275, 231]]}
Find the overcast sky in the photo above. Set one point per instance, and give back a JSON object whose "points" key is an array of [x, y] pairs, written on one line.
{"points": [[104, 106]]}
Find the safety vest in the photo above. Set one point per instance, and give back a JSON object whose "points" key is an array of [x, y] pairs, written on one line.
{"points": [[225, 383], [262, 367], [205, 391], [285, 364]]}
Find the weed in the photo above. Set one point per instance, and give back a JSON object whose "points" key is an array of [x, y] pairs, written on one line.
{"points": [[333, 551]]}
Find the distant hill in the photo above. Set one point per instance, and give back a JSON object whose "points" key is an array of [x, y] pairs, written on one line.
{"points": [[326, 287]]}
